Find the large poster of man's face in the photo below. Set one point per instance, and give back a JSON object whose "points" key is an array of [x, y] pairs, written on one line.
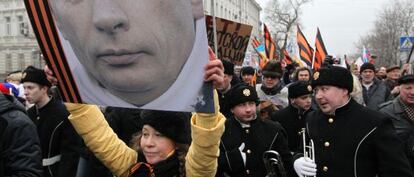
{"points": [[124, 53]]}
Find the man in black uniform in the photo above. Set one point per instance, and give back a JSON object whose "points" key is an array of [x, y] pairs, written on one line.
{"points": [[401, 109], [60, 143], [247, 137], [350, 140], [292, 118]]}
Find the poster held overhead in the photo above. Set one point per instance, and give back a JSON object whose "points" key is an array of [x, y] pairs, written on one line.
{"points": [[124, 54]]}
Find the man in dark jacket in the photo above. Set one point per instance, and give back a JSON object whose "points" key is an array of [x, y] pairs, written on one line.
{"points": [[374, 91], [228, 84], [350, 139], [247, 137], [60, 143], [292, 118], [401, 109], [19, 144]]}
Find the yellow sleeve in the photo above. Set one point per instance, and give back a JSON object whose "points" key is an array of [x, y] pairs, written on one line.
{"points": [[91, 125], [206, 132]]}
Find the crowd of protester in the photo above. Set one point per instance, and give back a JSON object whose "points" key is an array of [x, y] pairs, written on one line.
{"points": [[360, 118]]}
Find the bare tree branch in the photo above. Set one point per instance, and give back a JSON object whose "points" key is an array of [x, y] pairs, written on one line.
{"points": [[281, 18]]}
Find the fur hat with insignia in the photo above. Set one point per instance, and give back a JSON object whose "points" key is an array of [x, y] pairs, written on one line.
{"points": [[174, 125], [241, 93], [272, 69], [334, 76], [32, 74], [299, 88]]}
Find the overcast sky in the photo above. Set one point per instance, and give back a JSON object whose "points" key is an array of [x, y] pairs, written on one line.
{"points": [[341, 22]]}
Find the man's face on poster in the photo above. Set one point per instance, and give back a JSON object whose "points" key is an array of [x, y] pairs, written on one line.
{"points": [[135, 49]]}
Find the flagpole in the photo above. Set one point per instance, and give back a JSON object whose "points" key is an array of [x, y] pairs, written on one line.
{"points": [[409, 55], [313, 57], [214, 26]]}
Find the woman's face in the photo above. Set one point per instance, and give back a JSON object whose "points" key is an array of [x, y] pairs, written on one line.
{"points": [[155, 146]]}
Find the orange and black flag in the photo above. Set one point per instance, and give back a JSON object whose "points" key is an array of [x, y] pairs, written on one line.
{"points": [[305, 50], [270, 45], [287, 58], [320, 52]]}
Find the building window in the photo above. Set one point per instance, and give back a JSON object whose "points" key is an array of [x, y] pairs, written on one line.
{"points": [[21, 61], [8, 26], [22, 26], [8, 62]]}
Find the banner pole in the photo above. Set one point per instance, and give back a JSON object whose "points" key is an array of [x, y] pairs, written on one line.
{"points": [[214, 26]]}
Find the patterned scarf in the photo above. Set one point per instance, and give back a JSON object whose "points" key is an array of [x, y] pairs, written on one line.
{"points": [[409, 110]]}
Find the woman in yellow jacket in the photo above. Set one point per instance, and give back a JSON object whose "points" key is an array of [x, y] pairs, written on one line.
{"points": [[159, 143]]}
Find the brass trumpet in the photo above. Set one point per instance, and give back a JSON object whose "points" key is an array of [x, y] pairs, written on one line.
{"points": [[308, 149], [273, 164]]}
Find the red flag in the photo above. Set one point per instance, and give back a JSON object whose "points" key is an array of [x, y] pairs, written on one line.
{"points": [[320, 52], [270, 45], [305, 50]]}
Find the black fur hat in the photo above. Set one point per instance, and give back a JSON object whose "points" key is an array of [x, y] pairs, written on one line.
{"points": [[406, 79], [32, 74], [241, 93], [228, 67], [174, 125], [335, 76], [247, 70], [299, 88], [273, 68]]}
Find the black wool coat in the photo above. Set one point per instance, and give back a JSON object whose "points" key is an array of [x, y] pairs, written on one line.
{"points": [[57, 137], [261, 136], [356, 142], [292, 120]]}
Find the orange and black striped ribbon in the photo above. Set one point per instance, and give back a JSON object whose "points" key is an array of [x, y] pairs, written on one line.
{"points": [[320, 52], [49, 42], [305, 50], [287, 58], [270, 45]]}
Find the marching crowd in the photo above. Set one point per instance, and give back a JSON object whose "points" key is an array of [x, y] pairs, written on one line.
{"points": [[359, 121]]}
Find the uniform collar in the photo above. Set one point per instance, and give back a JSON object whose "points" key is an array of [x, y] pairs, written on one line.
{"points": [[343, 108]]}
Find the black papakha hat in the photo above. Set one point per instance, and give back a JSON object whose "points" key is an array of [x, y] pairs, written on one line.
{"points": [[409, 78], [174, 125], [273, 69], [32, 74], [334, 76], [247, 70], [228, 67], [367, 66], [241, 93], [299, 88]]}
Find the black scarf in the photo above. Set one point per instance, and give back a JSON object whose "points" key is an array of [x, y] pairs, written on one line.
{"points": [[166, 168], [272, 91]]}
